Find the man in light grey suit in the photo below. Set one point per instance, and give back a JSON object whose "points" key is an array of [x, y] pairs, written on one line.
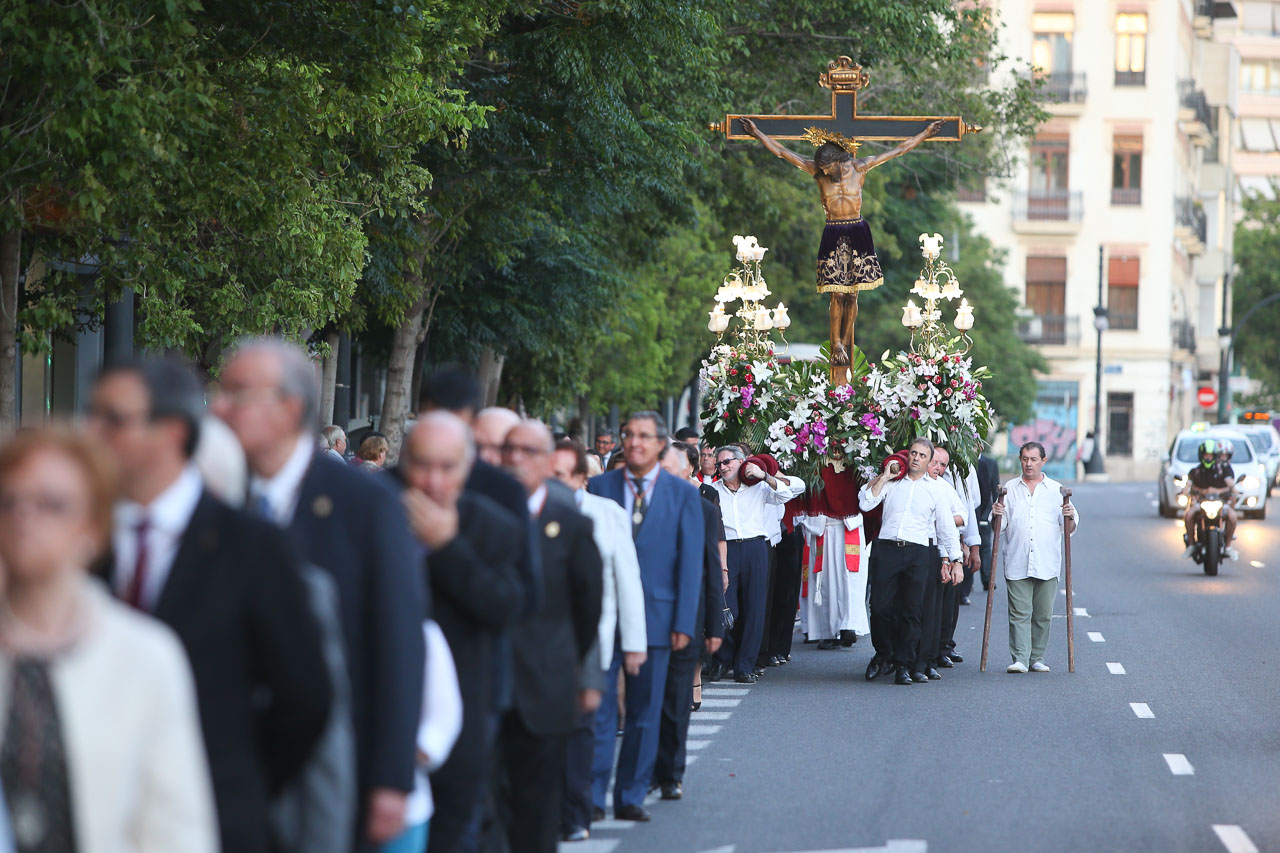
{"points": [[621, 617]]}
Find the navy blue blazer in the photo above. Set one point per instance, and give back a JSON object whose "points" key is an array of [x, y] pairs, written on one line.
{"points": [[669, 545], [353, 526]]}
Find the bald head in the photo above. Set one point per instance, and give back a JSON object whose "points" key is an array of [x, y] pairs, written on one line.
{"points": [[491, 427], [526, 453], [437, 456]]}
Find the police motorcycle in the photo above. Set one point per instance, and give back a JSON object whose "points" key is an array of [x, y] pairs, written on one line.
{"points": [[1206, 538]]}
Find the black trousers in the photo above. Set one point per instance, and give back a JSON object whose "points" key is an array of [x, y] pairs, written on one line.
{"points": [[580, 749], [898, 575], [786, 593], [950, 615], [930, 615], [533, 778], [984, 552], [677, 705], [748, 573], [770, 587]]}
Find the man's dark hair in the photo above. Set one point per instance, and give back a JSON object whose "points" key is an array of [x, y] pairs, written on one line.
{"points": [[452, 389], [686, 433], [659, 422], [828, 153], [1033, 445], [928, 445], [579, 454], [173, 391], [604, 432]]}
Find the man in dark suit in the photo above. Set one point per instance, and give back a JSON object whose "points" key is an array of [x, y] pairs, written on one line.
{"points": [[476, 594], [550, 646], [353, 527], [226, 583], [988, 487], [680, 460], [668, 529]]}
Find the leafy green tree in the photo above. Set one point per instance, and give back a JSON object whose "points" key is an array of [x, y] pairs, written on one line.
{"points": [[1257, 256]]}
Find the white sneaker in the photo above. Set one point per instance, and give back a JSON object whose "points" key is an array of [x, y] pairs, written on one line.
{"points": [[1233, 553], [1017, 666], [1039, 666]]}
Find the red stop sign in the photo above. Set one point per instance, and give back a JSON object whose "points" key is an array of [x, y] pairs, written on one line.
{"points": [[1207, 397]]}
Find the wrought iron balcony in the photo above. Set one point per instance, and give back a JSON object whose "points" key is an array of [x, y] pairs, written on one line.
{"points": [[1131, 78], [1191, 226], [1061, 87], [1047, 205], [1126, 195], [1051, 329], [1194, 113], [1184, 335]]}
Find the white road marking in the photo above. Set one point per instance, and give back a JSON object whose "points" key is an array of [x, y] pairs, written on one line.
{"points": [[690, 759], [895, 846], [1257, 565], [1080, 611], [711, 715], [1142, 711], [721, 703], [1116, 668], [610, 825], [1178, 764], [1234, 839], [1095, 637], [696, 744], [724, 691], [728, 848], [591, 845], [703, 731]]}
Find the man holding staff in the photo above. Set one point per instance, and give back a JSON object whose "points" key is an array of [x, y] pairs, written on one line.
{"points": [[1034, 520]]}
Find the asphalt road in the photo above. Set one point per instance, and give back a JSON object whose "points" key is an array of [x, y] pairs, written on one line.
{"points": [[1166, 738]]}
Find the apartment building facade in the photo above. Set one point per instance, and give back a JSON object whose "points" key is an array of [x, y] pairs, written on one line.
{"points": [[1124, 191]]}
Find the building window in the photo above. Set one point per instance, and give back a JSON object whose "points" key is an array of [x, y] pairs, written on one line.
{"points": [[1120, 423], [1260, 76], [1255, 185], [1126, 170], [1260, 18], [1131, 49], [1049, 197], [1122, 292], [1051, 42], [1258, 134], [1047, 298]]}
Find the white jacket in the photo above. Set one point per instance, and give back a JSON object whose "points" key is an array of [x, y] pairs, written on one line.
{"points": [[622, 605]]}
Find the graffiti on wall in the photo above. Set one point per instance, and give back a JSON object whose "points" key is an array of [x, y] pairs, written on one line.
{"points": [[1054, 425]]}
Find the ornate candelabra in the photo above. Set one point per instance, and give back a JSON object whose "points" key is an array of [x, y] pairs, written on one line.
{"points": [[746, 283], [936, 282]]}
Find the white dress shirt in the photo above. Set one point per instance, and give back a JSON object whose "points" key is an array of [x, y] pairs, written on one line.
{"points": [[969, 533], [916, 511], [779, 512], [748, 513], [167, 518], [622, 599], [281, 491], [439, 725], [648, 483], [1032, 529], [536, 502]]}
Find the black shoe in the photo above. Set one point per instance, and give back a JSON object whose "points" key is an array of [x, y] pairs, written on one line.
{"points": [[827, 645], [955, 657], [636, 813], [848, 638], [578, 833], [933, 674], [758, 672], [672, 791], [964, 600], [944, 661], [597, 814], [875, 669], [903, 676], [919, 677], [746, 678], [713, 672]]}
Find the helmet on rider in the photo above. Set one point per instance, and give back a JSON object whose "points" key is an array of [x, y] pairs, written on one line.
{"points": [[1225, 449], [1208, 452]]}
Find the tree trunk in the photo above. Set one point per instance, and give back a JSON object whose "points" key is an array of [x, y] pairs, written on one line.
{"points": [[490, 374], [329, 380], [395, 403], [419, 368], [10, 268]]}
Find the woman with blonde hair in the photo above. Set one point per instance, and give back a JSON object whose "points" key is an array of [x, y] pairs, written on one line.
{"points": [[100, 745]]}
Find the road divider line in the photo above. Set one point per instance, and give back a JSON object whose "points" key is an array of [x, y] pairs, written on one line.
{"points": [[1081, 611], [712, 715], [1142, 711], [696, 744], [1178, 764], [1234, 838], [1115, 668], [724, 691], [721, 703], [703, 731], [1095, 637]]}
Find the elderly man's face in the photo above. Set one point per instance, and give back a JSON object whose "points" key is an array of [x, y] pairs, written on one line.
{"points": [[526, 454], [1031, 462], [434, 461], [562, 464], [490, 432], [641, 444], [604, 443], [676, 462], [729, 465], [249, 401], [707, 456], [938, 464]]}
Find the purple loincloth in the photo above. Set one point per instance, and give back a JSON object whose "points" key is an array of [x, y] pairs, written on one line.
{"points": [[847, 261]]}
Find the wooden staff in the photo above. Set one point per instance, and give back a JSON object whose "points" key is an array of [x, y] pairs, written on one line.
{"points": [[1071, 612], [991, 581]]}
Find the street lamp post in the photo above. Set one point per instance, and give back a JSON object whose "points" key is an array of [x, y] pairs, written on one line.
{"points": [[1093, 466]]}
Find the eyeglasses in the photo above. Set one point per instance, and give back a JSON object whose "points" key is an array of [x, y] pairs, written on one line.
{"points": [[638, 436], [525, 449], [725, 463], [238, 397], [114, 419], [40, 503]]}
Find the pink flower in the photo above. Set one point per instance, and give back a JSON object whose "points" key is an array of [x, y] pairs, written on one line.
{"points": [[937, 380], [946, 392], [955, 383]]}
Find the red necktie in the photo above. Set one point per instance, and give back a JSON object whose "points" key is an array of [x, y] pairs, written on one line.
{"points": [[133, 595]]}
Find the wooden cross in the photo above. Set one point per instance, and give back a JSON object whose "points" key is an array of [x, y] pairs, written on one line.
{"points": [[844, 79]]}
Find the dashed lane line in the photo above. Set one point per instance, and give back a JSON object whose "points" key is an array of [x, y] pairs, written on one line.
{"points": [[711, 715], [721, 703], [1115, 668], [1178, 764], [693, 745], [1096, 637], [1142, 711], [724, 691], [1234, 838], [1081, 611], [702, 731]]}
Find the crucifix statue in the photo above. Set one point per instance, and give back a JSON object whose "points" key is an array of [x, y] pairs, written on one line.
{"points": [[847, 262]]}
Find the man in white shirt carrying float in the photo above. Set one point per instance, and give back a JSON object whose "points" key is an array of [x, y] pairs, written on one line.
{"points": [[1034, 521], [917, 508], [748, 518]]}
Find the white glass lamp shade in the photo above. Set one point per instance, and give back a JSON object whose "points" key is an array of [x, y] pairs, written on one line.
{"points": [[763, 321], [931, 245], [964, 316], [951, 290], [781, 320]]}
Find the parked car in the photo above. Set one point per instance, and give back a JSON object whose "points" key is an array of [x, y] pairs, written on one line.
{"points": [[1249, 468], [1266, 443]]}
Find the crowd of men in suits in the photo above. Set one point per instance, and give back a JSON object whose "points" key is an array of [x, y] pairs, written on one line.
{"points": [[491, 644]]}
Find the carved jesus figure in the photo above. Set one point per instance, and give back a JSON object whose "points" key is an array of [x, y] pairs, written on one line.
{"points": [[847, 261]]}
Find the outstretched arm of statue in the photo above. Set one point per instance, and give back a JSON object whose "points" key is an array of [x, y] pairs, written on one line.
{"points": [[903, 147], [772, 146]]}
